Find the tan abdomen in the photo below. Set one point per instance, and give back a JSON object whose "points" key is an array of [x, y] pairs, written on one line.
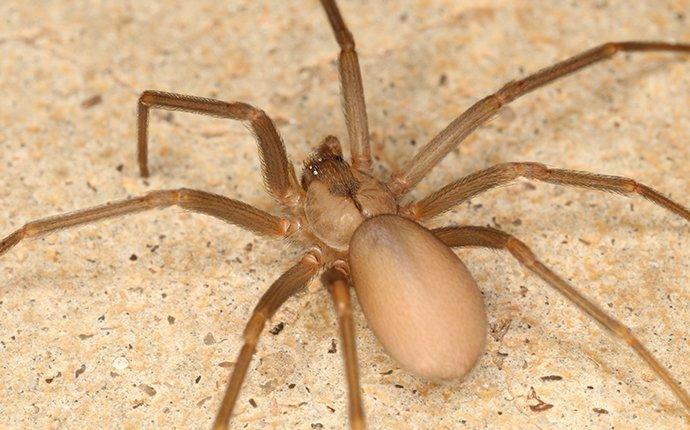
{"points": [[418, 297]]}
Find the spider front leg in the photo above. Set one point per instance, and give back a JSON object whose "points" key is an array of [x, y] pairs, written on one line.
{"points": [[278, 171], [353, 93], [483, 110], [282, 289], [487, 237], [336, 281], [461, 190], [229, 210]]}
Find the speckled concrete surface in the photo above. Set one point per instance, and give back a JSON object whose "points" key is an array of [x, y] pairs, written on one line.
{"points": [[132, 323]]}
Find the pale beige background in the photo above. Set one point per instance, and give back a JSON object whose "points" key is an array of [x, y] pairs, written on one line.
{"points": [[90, 338]]}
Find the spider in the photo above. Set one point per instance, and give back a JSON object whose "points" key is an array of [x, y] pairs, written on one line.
{"points": [[355, 225]]}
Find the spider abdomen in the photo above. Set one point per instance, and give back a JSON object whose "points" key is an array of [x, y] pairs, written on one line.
{"points": [[418, 297]]}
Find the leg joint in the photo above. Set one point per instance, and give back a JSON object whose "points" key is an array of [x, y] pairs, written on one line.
{"points": [[521, 252], [345, 40], [288, 227], [164, 197], [530, 170], [347, 44], [411, 210], [147, 98], [609, 49], [509, 92], [254, 327], [255, 115], [633, 186], [314, 257], [398, 185], [622, 332], [13, 239]]}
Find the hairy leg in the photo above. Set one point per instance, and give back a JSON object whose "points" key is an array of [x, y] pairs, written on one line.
{"points": [[353, 93], [479, 113], [232, 211], [282, 289], [337, 284], [459, 191], [278, 172], [491, 238]]}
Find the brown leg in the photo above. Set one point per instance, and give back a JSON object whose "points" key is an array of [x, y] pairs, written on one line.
{"points": [[336, 282], [501, 174], [353, 93], [279, 174], [491, 238], [232, 211], [282, 289], [434, 151]]}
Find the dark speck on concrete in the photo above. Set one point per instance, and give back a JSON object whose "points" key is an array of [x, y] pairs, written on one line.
{"points": [[277, 328], [92, 101], [209, 339], [79, 371]]}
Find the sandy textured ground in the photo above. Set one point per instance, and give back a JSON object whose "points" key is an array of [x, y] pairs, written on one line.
{"points": [[131, 323]]}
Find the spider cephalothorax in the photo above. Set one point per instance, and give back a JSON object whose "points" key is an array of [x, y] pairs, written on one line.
{"points": [[339, 197]]}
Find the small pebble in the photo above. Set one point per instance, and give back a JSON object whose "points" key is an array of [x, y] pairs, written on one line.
{"points": [[120, 363], [209, 339], [79, 371], [147, 389], [277, 328]]}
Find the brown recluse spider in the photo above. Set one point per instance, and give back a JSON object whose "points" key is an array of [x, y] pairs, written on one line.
{"points": [[417, 296]]}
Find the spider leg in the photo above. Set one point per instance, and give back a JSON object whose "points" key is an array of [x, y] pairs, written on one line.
{"points": [[337, 284], [476, 183], [278, 171], [491, 238], [282, 289], [479, 113], [232, 211], [353, 93]]}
